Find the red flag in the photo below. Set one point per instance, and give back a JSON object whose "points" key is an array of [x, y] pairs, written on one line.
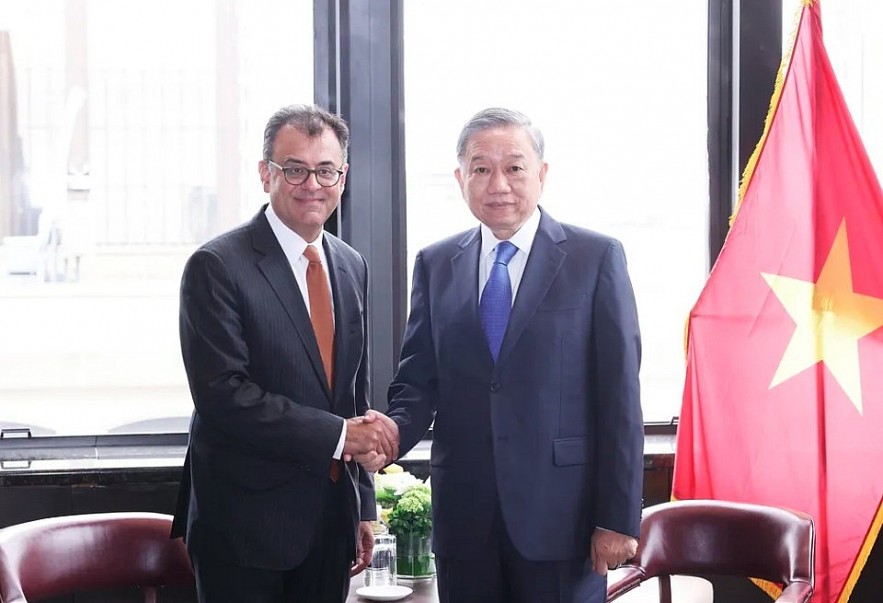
{"points": [[783, 400]]}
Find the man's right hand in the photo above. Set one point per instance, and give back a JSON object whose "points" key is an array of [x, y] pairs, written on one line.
{"points": [[390, 431], [366, 435], [382, 437]]}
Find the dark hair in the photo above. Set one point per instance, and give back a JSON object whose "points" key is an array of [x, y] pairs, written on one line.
{"points": [[496, 117], [309, 119]]}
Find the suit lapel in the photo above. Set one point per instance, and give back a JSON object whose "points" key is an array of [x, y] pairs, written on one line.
{"points": [[542, 267], [344, 293], [276, 269], [464, 291]]}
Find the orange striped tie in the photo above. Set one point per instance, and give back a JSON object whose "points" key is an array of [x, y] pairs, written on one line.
{"points": [[320, 310]]}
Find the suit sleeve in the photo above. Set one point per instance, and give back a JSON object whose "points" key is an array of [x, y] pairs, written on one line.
{"points": [[216, 358], [413, 393], [617, 355]]}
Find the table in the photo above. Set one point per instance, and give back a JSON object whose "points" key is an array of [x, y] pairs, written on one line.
{"points": [[425, 591], [686, 588]]}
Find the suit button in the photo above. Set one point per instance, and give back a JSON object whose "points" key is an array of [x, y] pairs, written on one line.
{"points": [[495, 387]]}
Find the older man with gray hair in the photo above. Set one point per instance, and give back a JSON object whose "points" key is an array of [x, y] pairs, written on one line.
{"points": [[523, 347]]}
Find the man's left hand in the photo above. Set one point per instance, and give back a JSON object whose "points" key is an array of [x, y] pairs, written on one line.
{"points": [[610, 549], [364, 548]]}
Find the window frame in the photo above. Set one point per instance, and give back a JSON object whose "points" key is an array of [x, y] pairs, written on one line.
{"points": [[358, 72]]}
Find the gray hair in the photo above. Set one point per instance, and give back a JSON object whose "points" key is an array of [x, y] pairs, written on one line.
{"points": [[496, 117], [309, 119]]}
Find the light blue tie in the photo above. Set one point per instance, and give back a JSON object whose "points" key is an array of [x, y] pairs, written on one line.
{"points": [[496, 299]]}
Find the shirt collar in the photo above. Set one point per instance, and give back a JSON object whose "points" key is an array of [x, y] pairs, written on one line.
{"points": [[292, 243], [523, 239]]}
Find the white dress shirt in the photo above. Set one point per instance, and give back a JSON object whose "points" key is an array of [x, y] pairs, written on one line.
{"points": [[523, 240], [293, 246]]}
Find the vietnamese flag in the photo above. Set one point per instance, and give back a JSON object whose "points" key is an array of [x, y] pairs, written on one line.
{"points": [[783, 399]]}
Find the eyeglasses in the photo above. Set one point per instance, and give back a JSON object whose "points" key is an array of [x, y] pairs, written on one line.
{"points": [[298, 174]]}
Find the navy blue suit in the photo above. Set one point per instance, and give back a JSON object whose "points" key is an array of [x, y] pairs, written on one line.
{"points": [[551, 436]]}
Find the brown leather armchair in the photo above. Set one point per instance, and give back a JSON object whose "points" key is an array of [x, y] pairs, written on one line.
{"points": [[708, 538], [83, 553]]}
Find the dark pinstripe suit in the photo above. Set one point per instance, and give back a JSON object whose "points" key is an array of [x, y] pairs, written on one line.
{"points": [[265, 424]]}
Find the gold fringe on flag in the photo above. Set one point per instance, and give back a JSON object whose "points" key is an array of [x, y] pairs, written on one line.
{"points": [[752, 161], [774, 105], [770, 588], [863, 554]]}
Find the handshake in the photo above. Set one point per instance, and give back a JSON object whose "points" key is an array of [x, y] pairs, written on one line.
{"points": [[372, 440]]}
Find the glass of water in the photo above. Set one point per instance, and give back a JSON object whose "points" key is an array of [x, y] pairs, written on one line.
{"points": [[382, 569]]}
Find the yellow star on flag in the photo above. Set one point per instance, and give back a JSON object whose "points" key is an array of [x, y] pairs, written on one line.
{"points": [[830, 318]]}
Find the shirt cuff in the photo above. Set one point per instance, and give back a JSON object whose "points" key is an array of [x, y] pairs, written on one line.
{"points": [[338, 452]]}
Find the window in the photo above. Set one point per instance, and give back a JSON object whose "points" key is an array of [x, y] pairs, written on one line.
{"points": [[619, 92], [138, 129]]}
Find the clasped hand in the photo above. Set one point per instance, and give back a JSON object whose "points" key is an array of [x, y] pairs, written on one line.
{"points": [[371, 440]]}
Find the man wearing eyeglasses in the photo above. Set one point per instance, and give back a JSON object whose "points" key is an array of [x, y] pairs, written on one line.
{"points": [[273, 324]]}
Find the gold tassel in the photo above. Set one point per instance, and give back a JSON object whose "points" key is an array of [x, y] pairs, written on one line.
{"points": [[863, 554], [770, 588], [774, 104]]}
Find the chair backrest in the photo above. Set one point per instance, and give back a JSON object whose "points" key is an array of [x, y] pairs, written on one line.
{"points": [[719, 538], [81, 553], [708, 537]]}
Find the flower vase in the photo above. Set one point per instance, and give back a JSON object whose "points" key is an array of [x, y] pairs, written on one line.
{"points": [[414, 556]]}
